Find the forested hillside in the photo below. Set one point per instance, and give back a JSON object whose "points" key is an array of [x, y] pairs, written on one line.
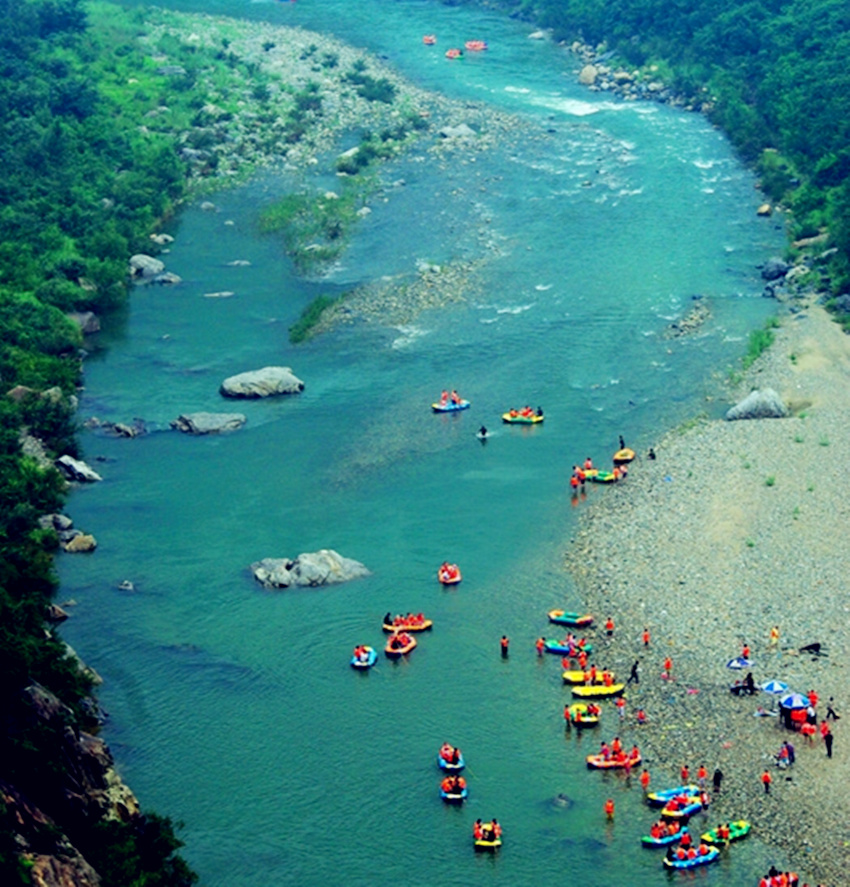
{"points": [[773, 74]]}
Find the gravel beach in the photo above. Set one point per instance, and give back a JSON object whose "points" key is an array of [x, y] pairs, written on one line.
{"points": [[733, 529]]}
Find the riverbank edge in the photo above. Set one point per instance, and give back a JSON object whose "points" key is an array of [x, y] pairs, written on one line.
{"points": [[703, 546]]}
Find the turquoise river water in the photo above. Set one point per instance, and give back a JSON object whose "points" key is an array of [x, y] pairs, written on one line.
{"points": [[234, 709]]}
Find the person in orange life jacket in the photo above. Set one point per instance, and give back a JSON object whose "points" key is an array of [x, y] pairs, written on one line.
{"points": [[588, 464], [604, 751], [684, 773], [455, 396], [685, 840], [495, 829], [593, 709], [444, 398], [609, 626], [745, 651], [477, 830], [609, 808], [644, 780], [616, 745], [540, 645], [702, 775], [503, 644], [574, 482], [765, 781], [641, 716], [645, 637]]}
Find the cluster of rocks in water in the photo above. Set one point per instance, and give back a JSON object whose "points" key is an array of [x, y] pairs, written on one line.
{"points": [[308, 570], [698, 314]]}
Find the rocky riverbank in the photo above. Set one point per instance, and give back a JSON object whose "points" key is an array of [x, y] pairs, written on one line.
{"points": [[736, 527]]}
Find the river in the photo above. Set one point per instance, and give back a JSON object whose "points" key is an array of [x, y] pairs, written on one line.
{"points": [[233, 709]]}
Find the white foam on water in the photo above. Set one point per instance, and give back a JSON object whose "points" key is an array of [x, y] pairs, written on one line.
{"points": [[409, 334]]}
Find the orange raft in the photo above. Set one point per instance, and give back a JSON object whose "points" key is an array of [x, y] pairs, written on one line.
{"points": [[449, 574], [475, 45], [399, 645], [429, 39], [454, 54], [407, 625], [598, 762]]}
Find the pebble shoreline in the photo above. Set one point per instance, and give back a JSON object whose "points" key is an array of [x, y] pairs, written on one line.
{"points": [[735, 528]]}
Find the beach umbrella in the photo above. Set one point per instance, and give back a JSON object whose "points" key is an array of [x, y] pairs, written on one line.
{"points": [[774, 687], [794, 700], [739, 662]]}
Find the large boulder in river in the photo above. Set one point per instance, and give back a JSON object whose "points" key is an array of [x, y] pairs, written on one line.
{"points": [[759, 404], [588, 74], [262, 383], [325, 567], [144, 267], [75, 469], [775, 268], [208, 423]]}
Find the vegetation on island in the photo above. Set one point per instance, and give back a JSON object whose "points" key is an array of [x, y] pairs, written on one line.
{"points": [[772, 73]]}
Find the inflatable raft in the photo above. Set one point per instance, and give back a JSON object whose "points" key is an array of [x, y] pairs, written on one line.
{"points": [[579, 716], [395, 651], [448, 766], [519, 419], [425, 625], [599, 477], [685, 810], [561, 648], [737, 830], [368, 662], [475, 45], [483, 845], [449, 576], [575, 620], [454, 54], [597, 691], [454, 797], [666, 841], [578, 677], [660, 799], [597, 762], [623, 456], [429, 39], [450, 407], [693, 862]]}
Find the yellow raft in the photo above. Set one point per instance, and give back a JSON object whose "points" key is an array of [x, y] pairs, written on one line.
{"points": [[599, 692], [578, 677]]}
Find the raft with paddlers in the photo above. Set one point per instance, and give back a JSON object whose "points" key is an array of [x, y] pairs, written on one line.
{"points": [[453, 790], [450, 407], [409, 625], [517, 417], [660, 798], [475, 45], [450, 758], [624, 455], [616, 762], [600, 477], [690, 862], [577, 676], [449, 574], [454, 54], [429, 39], [581, 715], [665, 840], [399, 645], [564, 648], [364, 657], [738, 829], [683, 807], [597, 691], [487, 836], [574, 620]]}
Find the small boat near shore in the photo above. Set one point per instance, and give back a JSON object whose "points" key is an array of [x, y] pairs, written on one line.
{"points": [[574, 620], [665, 841], [682, 809], [581, 717], [476, 45], [660, 798], [449, 761], [564, 649], [580, 677], [449, 574], [738, 829], [598, 762], [597, 691], [451, 407], [621, 457], [690, 862]]}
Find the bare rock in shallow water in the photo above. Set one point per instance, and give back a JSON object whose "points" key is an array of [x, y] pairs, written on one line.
{"points": [[262, 383], [324, 567], [208, 423], [759, 404], [83, 542], [75, 469]]}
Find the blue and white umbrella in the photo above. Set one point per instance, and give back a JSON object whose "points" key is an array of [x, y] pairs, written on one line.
{"points": [[739, 662], [776, 688], [794, 700]]}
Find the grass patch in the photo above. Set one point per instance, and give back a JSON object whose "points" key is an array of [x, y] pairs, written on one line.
{"points": [[310, 316], [793, 358], [750, 544], [759, 342], [798, 438], [824, 440], [769, 481], [796, 512]]}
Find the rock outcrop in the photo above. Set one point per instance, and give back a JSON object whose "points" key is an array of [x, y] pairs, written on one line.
{"points": [[759, 404], [262, 383], [774, 269], [75, 469], [325, 567], [208, 423]]}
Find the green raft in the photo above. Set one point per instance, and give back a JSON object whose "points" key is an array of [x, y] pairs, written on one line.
{"points": [[737, 830]]}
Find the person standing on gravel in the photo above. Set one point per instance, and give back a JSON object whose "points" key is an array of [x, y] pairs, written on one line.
{"points": [[827, 741], [633, 674], [716, 780], [830, 711], [766, 779]]}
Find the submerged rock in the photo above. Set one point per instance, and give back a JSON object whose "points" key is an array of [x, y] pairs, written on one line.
{"points": [[324, 567], [759, 404]]}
